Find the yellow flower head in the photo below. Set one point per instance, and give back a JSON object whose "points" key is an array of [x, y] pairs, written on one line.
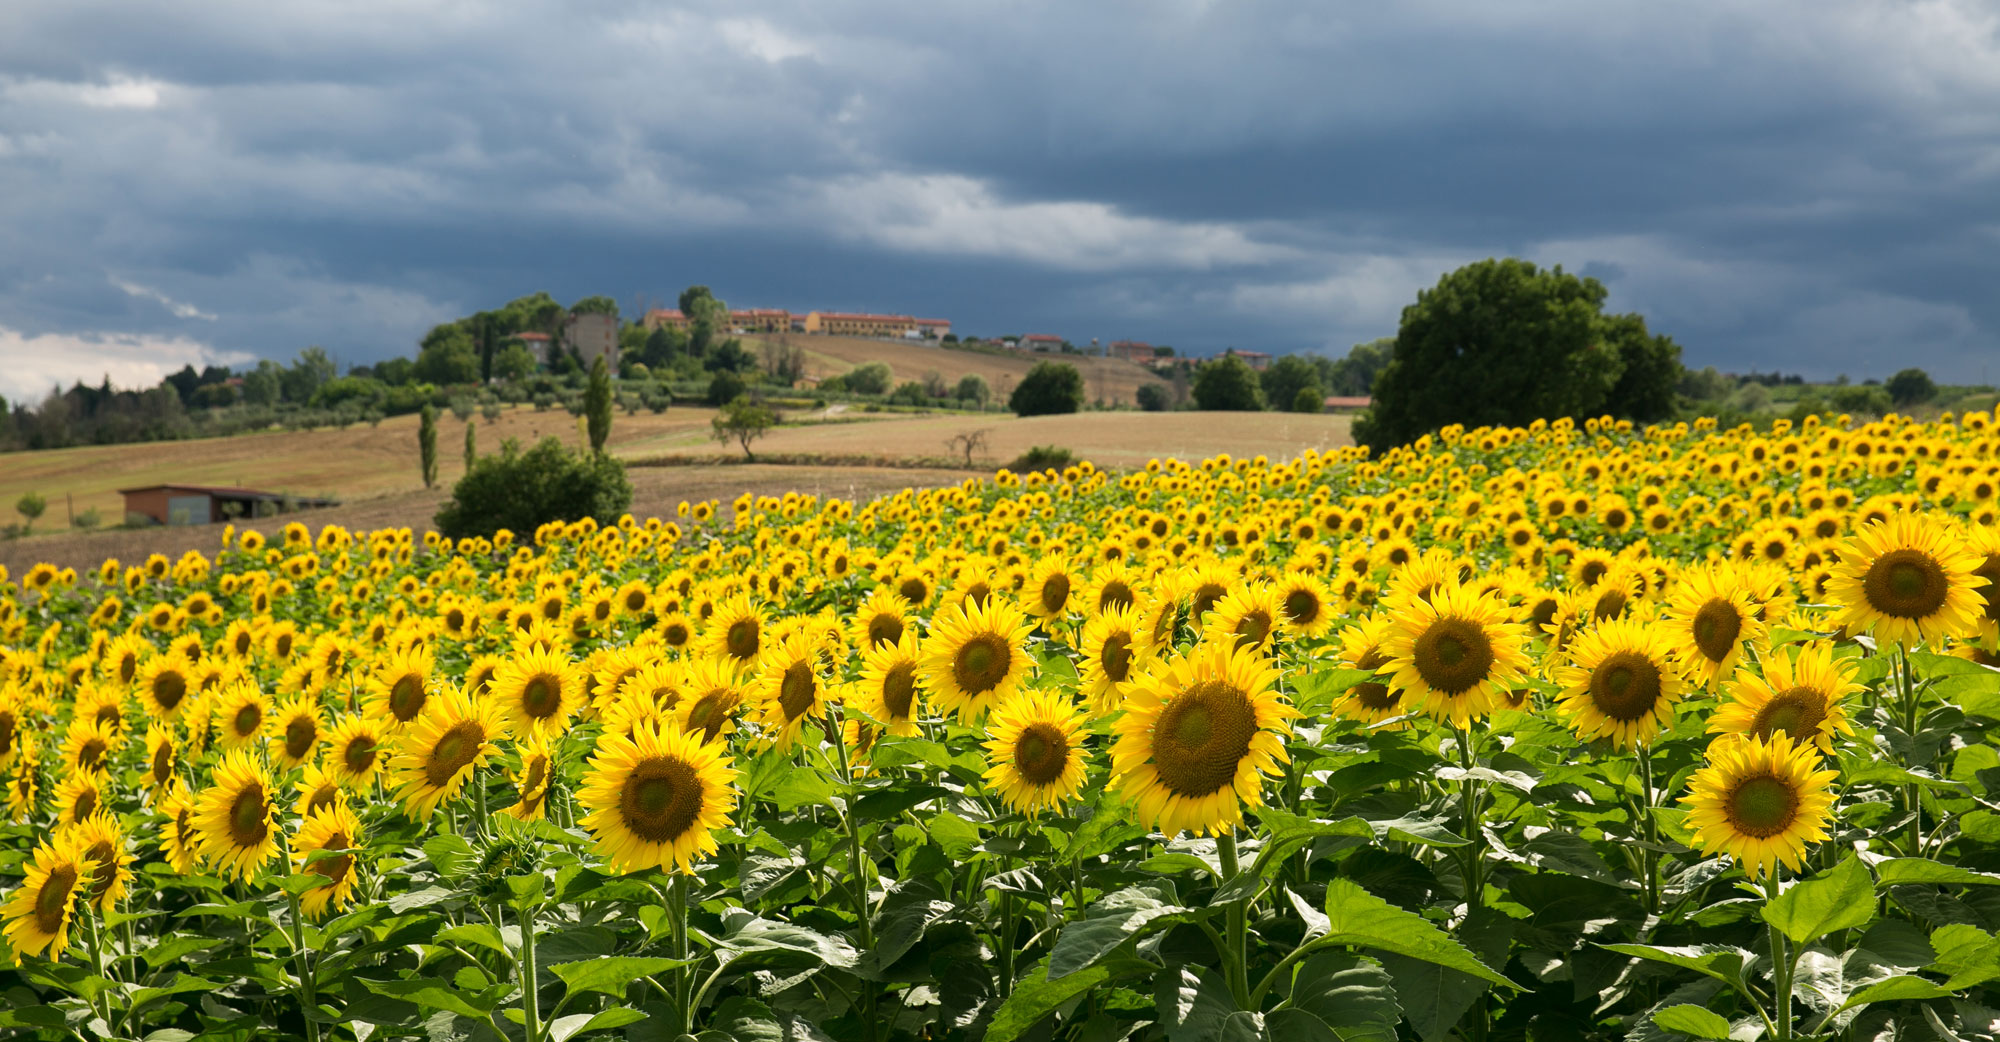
{"points": [[1760, 802]]}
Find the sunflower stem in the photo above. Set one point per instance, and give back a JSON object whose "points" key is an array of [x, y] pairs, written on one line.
{"points": [[1475, 885], [1781, 967], [1911, 712], [100, 1005], [531, 999], [1235, 966], [683, 975], [864, 923], [1652, 830]]}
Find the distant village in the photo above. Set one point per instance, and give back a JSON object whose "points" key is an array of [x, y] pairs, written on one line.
{"points": [[591, 334]]}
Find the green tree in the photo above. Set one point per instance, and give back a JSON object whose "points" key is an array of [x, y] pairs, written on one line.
{"points": [[869, 378], [742, 421], [30, 506], [1910, 387], [1506, 342], [972, 388], [724, 387], [427, 445], [1354, 376], [260, 385], [447, 355], [706, 317], [1227, 384], [1309, 399], [730, 355], [1048, 389], [471, 444], [598, 305], [597, 404], [1286, 377], [1650, 369], [514, 362], [521, 491], [306, 375], [1153, 398]]}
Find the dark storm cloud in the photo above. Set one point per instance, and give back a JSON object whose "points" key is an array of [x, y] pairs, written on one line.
{"points": [[1805, 186]]}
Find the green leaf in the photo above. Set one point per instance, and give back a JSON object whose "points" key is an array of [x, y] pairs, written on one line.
{"points": [[1036, 996], [1710, 960], [415, 899], [1351, 996], [481, 935], [33, 1017], [563, 1028], [1897, 871], [1840, 898], [1358, 917], [743, 1019], [1426, 831], [452, 855], [1110, 922], [182, 984], [1193, 1007], [611, 974], [176, 949], [748, 934], [956, 835], [886, 803], [432, 993], [1895, 989], [1967, 954], [1690, 1019], [1435, 999]]}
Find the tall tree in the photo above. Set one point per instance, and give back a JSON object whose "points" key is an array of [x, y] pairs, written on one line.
{"points": [[597, 404], [1227, 384], [471, 445], [427, 445], [1286, 378], [598, 305]]}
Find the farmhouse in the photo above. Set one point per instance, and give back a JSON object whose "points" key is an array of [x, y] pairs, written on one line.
{"points": [[208, 504], [847, 323], [760, 320], [1130, 350], [592, 335], [1041, 342]]}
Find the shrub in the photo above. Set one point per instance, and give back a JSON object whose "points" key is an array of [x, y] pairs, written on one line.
{"points": [[521, 491], [1911, 387], [1153, 398], [742, 421], [1309, 399], [1227, 384], [88, 519], [869, 378], [1043, 457], [910, 392], [724, 387], [1049, 388]]}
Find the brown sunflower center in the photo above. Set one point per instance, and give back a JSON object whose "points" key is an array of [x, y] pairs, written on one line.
{"points": [[163, 762], [1055, 593], [1116, 658], [1797, 711], [333, 868], [536, 775], [676, 633], [978, 594], [1040, 753], [1762, 806], [454, 750], [796, 690], [1610, 604], [885, 629], [541, 696], [168, 689], [103, 859], [1625, 686], [90, 755], [1906, 584], [1374, 695], [661, 799], [1201, 738], [249, 818], [1205, 597], [1544, 612], [321, 798], [8, 727], [710, 712], [1989, 572], [914, 590], [899, 689], [1253, 628], [1593, 571], [247, 719], [1116, 594], [406, 697], [359, 754], [741, 639], [53, 900], [1716, 627], [1453, 655], [981, 664], [1302, 607], [300, 735], [85, 806]]}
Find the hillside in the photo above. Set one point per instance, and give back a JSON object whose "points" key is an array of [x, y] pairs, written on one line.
{"points": [[1114, 380]]}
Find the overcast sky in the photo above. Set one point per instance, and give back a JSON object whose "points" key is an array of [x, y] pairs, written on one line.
{"points": [[1811, 185]]}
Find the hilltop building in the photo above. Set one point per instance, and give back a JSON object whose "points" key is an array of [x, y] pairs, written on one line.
{"points": [[592, 335], [1041, 342], [1130, 350]]}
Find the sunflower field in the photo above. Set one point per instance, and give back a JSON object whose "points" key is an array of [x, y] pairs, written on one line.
{"points": [[1565, 732]]}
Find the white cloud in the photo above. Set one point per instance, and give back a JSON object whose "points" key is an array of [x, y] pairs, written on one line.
{"points": [[953, 214], [179, 309], [117, 92], [1363, 290], [31, 365], [760, 39]]}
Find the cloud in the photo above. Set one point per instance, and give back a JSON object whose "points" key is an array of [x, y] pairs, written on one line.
{"points": [[179, 309], [35, 364], [117, 92]]}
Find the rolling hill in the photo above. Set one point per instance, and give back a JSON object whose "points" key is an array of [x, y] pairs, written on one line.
{"points": [[1113, 380]]}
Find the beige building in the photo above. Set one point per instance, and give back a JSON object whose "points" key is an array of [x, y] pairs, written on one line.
{"points": [[761, 320], [664, 317], [592, 335], [848, 323]]}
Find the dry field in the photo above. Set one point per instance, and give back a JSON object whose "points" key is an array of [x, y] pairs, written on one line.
{"points": [[1112, 379], [374, 469]]}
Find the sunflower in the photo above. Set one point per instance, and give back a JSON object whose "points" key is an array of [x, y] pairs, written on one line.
{"points": [[1248, 617], [789, 689], [1112, 585], [1034, 751], [1985, 542], [1619, 684], [78, 796], [354, 751], [887, 690], [1113, 657], [331, 828], [1800, 697], [882, 619], [39, 912], [165, 683], [243, 713], [180, 843], [1455, 653], [439, 753], [316, 789], [297, 731], [713, 697], [100, 840], [1198, 731], [675, 630], [531, 781], [1909, 579], [121, 661], [1760, 802], [974, 657], [1370, 702], [537, 692], [736, 631], [88, 745], [237, 816], [1305, 604], [399, 686], [656, 799], [24, 788], [1047, 594], [1709, 618], [163, 755]]}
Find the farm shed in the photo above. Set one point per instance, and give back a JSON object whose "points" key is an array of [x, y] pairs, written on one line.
{"points": [[208, 504]]}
